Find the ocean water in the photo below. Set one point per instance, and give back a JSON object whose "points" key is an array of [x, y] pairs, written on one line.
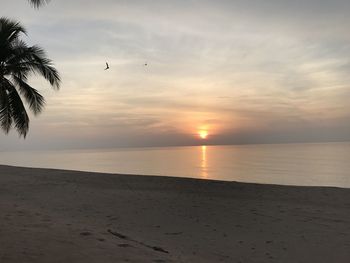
{"points": [[316, 164]]}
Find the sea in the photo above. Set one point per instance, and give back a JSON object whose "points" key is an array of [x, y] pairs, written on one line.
{"points": [[303, 164]]}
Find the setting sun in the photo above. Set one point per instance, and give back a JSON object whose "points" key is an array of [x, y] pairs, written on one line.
{"points": [[203, 134]]}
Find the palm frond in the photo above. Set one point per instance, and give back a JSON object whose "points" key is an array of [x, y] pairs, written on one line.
{"points": [[10, 32], [9, 27], [34, 99], [18, 112], [38, 3], [5, 109], [33, 59], [17, 62], [44, 66], [17, 59]]}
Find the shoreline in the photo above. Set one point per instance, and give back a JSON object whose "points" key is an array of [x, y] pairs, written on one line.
{"points": [[169, 176], [54, 215]]}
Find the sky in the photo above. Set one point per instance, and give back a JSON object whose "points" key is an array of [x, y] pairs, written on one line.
{"points": [[258, 71]]}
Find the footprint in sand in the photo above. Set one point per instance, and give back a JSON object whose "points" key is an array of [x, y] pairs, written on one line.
{"points": [[86, 233], [124, 245]]}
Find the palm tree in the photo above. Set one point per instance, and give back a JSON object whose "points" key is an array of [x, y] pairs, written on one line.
{"points": [[38, 3], [17, 62]]}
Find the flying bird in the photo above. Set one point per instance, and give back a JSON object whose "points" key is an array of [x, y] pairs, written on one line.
{"points": [[145, 64], [107, 66]]}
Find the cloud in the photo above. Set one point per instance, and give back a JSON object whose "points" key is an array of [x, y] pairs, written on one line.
{"points": [[249, 71]]}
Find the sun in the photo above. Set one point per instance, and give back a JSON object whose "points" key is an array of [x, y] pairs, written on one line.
{"points": [[203, 134]]}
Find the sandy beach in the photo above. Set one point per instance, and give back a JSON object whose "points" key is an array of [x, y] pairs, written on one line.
{"points": [[67, 216]]}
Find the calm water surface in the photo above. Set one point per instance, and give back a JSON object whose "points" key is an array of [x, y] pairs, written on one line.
{"points": [[326, 164]]}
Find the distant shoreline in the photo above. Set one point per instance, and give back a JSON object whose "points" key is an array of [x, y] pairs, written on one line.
{"points": [[168, 146]]}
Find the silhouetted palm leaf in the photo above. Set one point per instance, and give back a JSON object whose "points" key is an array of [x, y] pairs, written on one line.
{"points": [[38, 3], [17, 62]]}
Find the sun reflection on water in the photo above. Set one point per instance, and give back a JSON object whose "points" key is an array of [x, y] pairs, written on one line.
{"points": [[204, 166]]}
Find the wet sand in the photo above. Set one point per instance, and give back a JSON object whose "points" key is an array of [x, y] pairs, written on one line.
{"points": [[67, 216]]}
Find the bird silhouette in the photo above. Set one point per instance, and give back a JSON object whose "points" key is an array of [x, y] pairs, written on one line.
{"points": [[107, 66], [145, 64]]}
